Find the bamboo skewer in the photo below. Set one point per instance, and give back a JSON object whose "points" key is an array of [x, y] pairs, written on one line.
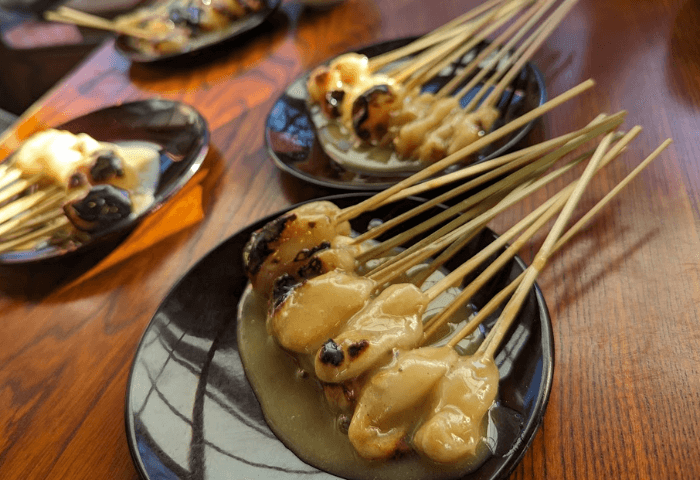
{"points": [[495, 61], [46, 210], [512, 308], [504, 165], [473, 207], [23, 204], [609, 196], [446, 234], [498, 74], [568, 203], [476, 11], [509, 12], [553, 206], [429, 58], [598, 126], [378, 62], [513, 33], [436, 36], [475, 169], [9, 176], [483, 218], [18, 187], [22, 225], [499, 298], [60, 223], [506, 256], [398, 264], [469, 266], [531, 222], [552, 23], [479, 258], [76, 17], [489, 346]]}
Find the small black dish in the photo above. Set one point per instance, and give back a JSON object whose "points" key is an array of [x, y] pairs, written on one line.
{"points": [[198, 43], [191, 413], [292, 139], [178, 131]]}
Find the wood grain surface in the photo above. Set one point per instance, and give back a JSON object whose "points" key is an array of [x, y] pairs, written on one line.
{"points": [[624, 296]]}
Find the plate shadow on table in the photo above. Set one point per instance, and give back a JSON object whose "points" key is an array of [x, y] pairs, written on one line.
{"points": [[38, 279], [296, 190], [355, 34], [575, 269]]}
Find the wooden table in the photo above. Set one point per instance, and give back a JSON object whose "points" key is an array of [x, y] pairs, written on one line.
{"points": [[624, 297]]}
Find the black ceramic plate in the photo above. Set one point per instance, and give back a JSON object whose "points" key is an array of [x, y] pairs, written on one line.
{"points": [[191, 413], [179, 132], [203, 41], [292, 137]]}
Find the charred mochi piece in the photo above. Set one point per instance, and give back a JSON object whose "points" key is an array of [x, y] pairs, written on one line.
{"points": [[106, 166], [371, 113], [284, 286], [187, 16], [102, 207], [258, 247], [333, 102]]}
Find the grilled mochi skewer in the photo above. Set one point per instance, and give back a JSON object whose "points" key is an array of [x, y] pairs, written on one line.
{"points": [[437, 126], [331, 269], [270, 249], [435, 401], [56, 178], [334, 293], [341, 304], [429, 126], [350, 88], [264, 253], [335, 86], [394, 318], [171, 25], [535, 221]]}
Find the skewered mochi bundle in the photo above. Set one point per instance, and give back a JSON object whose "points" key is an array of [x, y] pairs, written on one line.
{"points": [[381, 102], [384, 317], [94, 184], [77, 162], [380, 112], [174, 23], [362, 337]]}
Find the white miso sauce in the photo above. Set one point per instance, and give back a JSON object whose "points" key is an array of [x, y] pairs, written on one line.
{"points": [[297, 411]]}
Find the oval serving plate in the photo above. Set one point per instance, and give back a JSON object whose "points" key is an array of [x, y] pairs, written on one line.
{"points": [[200, 42], [293, 140], [177, 130], [191, 413]]}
